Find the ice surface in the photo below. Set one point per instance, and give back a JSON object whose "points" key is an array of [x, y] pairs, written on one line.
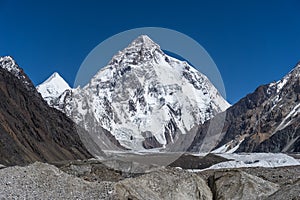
{"points": [[256, 160]]}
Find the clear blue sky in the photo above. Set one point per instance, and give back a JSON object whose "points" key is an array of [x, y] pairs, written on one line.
{"points": [[252, 42]]}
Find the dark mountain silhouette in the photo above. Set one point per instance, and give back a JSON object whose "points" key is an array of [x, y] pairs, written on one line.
{"points": [[30, 130]]}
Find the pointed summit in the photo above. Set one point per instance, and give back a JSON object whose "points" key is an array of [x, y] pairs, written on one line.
{"points": [[53, 87], [142, 44], [145, 41], [140, 50], [144, 38], [7, 58], [53, 77], [9, 64]]}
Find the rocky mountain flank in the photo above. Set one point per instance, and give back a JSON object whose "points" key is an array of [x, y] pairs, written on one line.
{"points": [[266, 120], [30, 130]]}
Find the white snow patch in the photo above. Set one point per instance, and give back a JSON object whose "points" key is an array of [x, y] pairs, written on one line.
{"points": [[286, 121], [256, 160], [226, 148], [281, 83], [9, 64]]}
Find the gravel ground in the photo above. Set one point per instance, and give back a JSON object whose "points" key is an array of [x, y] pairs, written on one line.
{"points": [[93, 180], [44, 181]]}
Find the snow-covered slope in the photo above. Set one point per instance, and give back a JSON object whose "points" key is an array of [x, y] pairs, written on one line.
{"points": [[288, 83], [256, 160], [53, 87], [144, 97], [230, 147]]}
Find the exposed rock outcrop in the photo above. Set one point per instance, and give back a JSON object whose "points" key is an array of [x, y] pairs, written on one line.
{"points": [[291, 191], [266, 120], [236, 184], [166, 184]]}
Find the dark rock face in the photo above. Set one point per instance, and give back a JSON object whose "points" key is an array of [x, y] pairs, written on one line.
{"points": [[29, 129], [150, 141], [286, 140], [291, 191], [265, 121], [240, 185]]}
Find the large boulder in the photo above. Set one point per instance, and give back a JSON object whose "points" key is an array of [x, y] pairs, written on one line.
{"points": [[164, 184], [290, 191], [237, 184]]}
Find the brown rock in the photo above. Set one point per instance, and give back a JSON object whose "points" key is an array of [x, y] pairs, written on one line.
{"points": [[235, 184], [164, 184]]}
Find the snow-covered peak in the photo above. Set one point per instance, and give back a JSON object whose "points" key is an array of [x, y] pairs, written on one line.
{"points": [[56, 78], [143, 97], [143, 41], [10, 65], [141, 50], [53, 87]]}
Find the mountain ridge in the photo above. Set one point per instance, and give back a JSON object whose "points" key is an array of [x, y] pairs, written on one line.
{"points": [[263, 121]]}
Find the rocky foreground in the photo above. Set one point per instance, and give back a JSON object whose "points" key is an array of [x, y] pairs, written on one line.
{"points": [[93, 180]]}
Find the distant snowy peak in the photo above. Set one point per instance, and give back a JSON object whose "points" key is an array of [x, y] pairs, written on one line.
{"points": [[53, 87], [9, 64]]}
